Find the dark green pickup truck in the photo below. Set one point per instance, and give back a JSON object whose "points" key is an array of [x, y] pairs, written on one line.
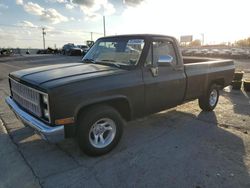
{"points": [[120, 78]]}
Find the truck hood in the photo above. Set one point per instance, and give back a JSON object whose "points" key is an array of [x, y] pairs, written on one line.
{"points": [[63, 73]]}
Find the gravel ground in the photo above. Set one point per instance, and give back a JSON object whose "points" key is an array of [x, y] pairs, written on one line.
{"points": [[179, 147]]}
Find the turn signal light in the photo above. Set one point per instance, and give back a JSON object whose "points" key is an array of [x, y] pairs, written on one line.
{"points": [[64, 121]]}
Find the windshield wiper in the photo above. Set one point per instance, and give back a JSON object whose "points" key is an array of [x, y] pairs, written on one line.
{"points": [[110, 60], [110, 63], [88, 60]]}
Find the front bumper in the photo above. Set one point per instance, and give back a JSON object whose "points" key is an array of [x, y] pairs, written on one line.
{"points": [[51, 134]]}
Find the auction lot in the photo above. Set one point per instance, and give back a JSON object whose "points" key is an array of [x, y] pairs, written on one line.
{"points": [[179, 147]]}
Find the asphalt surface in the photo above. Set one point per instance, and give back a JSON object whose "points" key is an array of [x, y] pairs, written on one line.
{"points": [[179, 147]]}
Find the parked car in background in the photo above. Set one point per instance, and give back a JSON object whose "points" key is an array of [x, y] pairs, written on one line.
{"points": [[84, 48], [204, 52], [6, 52], [71, 49], [198, 52], [238, 53], [190, 52], [66, 48], [41, 52], [227, 52], [48, 51]]}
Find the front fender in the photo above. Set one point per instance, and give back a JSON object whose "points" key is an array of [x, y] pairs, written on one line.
{"points": [[104, 99]]}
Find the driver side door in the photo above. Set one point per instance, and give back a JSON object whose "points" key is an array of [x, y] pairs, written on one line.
{"points": [[164, 84]]}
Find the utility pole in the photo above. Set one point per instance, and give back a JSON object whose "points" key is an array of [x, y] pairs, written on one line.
{"points": [[104, 26], [202, 35], [44, 33], [91, 36]]}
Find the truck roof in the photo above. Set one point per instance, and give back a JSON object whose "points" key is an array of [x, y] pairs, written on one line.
{"points": [[139, 35]]}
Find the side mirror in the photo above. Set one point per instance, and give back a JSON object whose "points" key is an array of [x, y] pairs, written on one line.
{"points": [[165, 60]]}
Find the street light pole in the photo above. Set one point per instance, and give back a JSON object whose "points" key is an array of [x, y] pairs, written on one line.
{"points": [[44, 33], [202, 34], [104, 26]]}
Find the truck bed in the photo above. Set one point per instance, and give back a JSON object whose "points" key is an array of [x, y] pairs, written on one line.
{"points": [[188, 60], [201, 71]]}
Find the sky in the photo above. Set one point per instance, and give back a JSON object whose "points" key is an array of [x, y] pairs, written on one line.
{"points": [[76, 21]]}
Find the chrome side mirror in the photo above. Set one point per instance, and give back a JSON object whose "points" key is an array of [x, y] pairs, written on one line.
{"points": [[154, 71], [165, 60]]}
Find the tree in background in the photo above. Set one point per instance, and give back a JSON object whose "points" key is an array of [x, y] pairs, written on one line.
{"points": [[243, 42], [195, 43]]}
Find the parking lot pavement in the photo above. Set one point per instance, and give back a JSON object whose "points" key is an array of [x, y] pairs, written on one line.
{"points": [[13, 165], [179, 147]]}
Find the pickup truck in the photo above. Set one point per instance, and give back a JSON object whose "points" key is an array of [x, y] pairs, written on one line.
{"points": [[119, 79]]}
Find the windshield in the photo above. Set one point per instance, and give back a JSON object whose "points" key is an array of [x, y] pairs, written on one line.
{"points": [[115, 51]]}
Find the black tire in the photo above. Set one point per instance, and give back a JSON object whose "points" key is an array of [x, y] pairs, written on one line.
{"points": [[85, 130], [205, 102]]}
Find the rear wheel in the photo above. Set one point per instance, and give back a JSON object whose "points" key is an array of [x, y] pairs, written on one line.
{"points": [[99, 130], [209, 100]]}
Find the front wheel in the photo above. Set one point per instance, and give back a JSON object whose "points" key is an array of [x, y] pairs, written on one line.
{"points": [[209, 100], [99, 130]]}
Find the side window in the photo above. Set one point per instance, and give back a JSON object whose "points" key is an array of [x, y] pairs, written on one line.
{"points": [[161, 48], [149, 61]]}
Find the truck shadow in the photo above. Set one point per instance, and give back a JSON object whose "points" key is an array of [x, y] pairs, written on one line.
{"points": [[170, 149], [240, 100]]}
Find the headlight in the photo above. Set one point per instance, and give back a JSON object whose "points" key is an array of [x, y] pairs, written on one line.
{"points": [[45, 99], [46, 113], [45, 107]]}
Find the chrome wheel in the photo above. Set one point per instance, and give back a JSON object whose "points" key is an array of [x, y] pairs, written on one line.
{"points": [[102, 133], [213, 97]]}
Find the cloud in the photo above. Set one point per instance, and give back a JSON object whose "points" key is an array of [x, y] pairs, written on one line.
{"points": [[26, 23], [19, 2], [87, 3], [61, 1], [95, 9], [49, 28], [50, 14], [3, 6], [34, 8], [133, 3], [69, 6]]}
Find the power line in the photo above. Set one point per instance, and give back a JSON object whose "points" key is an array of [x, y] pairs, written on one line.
{"points": [[19, 26], [56, 29], [29, 39]]}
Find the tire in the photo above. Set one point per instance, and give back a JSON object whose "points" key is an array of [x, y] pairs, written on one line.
{"points": [[209, 100], [99, 130]]}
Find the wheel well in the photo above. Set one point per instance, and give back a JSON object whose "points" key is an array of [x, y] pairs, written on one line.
{"points": [[220, 82], [121, 105]]}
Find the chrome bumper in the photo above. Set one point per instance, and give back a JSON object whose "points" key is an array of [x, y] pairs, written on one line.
{"points": [[51, 134]]}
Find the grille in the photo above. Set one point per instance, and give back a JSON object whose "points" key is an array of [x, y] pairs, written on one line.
{"points": [[26, 97]]}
